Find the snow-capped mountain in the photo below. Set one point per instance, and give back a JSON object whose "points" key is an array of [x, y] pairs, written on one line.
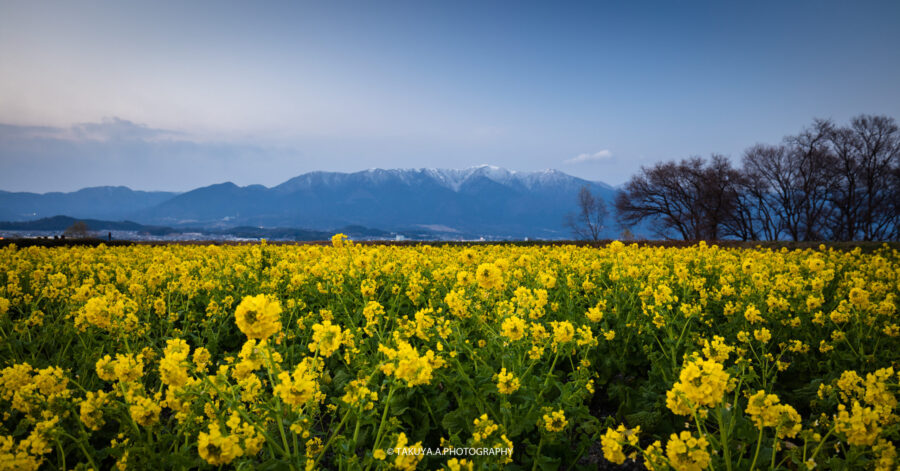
{"points": [[486, 200], [452, 179]]}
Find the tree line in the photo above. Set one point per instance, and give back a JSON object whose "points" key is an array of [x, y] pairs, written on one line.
{"points": [[828, 182]]}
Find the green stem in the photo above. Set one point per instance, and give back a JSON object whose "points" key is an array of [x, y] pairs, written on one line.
{"points": [[538, 454], [356, 432], [430, 412], [333, 436], [387, 405], [774, 442], [83, 449], [816, 451], [550, 371], [280, 421], [60, 453], [134, 424], [758, 444], [546, 380], [723, 432]]}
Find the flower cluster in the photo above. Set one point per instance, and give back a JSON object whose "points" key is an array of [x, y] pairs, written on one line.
{"points": [[326, 338], [317, 356], [258, 317], [765, 411], [701, 383], [507, 383], [405, 363]]}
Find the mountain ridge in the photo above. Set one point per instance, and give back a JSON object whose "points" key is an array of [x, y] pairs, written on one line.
{"points": [[484, 199]]}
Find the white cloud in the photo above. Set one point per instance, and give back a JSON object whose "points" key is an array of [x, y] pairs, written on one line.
{"points": [[596, 156], [108, 129], [118, 128]]}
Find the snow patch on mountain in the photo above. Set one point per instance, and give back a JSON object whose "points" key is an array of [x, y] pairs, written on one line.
{"points": [[454, 179]]}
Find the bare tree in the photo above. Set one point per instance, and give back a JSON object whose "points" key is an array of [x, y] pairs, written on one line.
{"points": [[787, 186], [895, 206], [659, 193], [828, 182], [864, 190], [824, 182], [846, 195], [720, 201], [691, 199], [743, 221], [588, 222], [770, 176], [812, 162]]}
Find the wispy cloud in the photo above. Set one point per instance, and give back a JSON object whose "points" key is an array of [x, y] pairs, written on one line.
{"points": [[116, 151], [108, 129], [596, 156], [118, 128]]}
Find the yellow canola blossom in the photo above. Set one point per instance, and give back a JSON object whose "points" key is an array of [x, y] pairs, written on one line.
{"points": [[91, 410], [327, 338], [687, 452], [407, 456], [860, 424], [218, 449], [131, 349], [507, 383], [513, 328], [489, 276], [258, 317], [301, 386], [766, 411], [405, 363], [701, 383], [613, 440], [555, 421]]}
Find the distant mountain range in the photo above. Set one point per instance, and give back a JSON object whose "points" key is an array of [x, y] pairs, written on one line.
{"points": [[484, 200], [104, 202]]}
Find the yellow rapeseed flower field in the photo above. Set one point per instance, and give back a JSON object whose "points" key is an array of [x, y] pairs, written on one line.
{"points": [[350, 357]]}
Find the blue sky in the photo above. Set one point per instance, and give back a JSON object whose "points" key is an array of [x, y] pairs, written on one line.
{"points": [[175, 95]]}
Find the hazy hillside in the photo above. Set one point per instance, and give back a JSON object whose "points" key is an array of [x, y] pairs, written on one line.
{"points": [[483, 200], [103, 202]]}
